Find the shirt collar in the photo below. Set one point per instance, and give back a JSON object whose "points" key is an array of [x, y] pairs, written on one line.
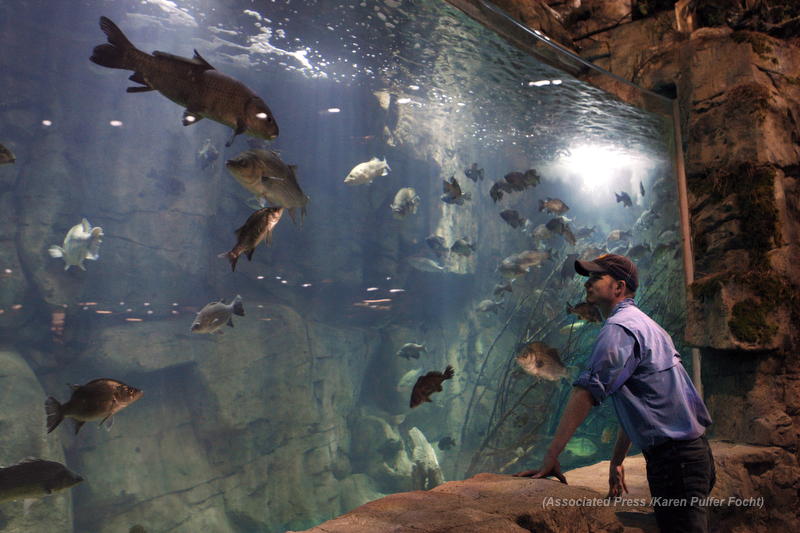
{"points": [[622, 304]]}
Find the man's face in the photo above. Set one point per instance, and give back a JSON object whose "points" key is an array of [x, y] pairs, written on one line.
{"points": [[600, 288]]}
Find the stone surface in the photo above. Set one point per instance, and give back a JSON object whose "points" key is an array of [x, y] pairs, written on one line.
{"points": [[23, 434], [483, 503]]}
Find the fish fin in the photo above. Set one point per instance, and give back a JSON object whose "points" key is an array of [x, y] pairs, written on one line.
{"points": [[80, 265], [229, 322], [77, 424], [291, 211], [219, 332], [56, 251], [249, 254], [449, 372], [27, 504], [108, 421], [238, 231], [198, 59], [238, 308], [387, 166], [86, 226], [222, 301], [241, 127], [231, 258], [230, 139], [254, 202], [268, 238], [190, 118], [112, 55], [52, 409]]}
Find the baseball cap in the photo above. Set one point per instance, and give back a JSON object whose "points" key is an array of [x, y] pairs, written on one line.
{"points": [[620, 267]]}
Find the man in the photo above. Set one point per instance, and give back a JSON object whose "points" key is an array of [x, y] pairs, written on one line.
{"points": [[635, 363]]}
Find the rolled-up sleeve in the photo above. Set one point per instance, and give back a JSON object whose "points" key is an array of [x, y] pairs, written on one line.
{"points": [[612, 362]]}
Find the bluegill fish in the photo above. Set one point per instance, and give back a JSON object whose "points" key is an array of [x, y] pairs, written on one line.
{"points": [[553, 205], [263, 173], [213, 316], [191, 83], [82, 242], [99, 399], [624, 198], [31, 479], [257, 228]]}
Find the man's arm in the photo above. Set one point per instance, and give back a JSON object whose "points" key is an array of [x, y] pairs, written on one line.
{"points": [[616, 472], [578, 406]]}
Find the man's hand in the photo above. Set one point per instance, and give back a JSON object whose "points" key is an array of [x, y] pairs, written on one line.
{"points": [[616, 481], [550, 467]]}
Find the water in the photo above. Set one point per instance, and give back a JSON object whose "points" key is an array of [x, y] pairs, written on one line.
{"points": [[300, 412]]}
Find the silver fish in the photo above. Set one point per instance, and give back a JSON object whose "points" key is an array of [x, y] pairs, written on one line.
{"points": [[82, 242], [411, 350], [213, 316], [405, 203], [367, 171], [489, 306], [263, 173], [425, 264]]}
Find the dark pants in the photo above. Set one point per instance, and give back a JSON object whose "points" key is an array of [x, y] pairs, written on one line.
{"points": [[681, 475]]}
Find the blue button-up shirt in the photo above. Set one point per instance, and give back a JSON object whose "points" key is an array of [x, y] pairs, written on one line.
{"points": [[635, 363]]}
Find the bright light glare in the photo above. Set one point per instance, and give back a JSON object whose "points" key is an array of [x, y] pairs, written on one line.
{"points": [[595, 165]]}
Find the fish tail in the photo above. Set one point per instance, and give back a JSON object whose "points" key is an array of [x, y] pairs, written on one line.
{"points": [[52, 408], [449, 372], [291, 211], [112, 55], [541, 205], [238, 308], [232, 257]]}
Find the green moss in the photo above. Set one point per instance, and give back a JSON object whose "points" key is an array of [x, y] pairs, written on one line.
{"points": [[759, 43], [748, 322], [705, 289]]}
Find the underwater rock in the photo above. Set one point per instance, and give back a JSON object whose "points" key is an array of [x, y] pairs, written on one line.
{"points": [[23, 421], [425, 470]]}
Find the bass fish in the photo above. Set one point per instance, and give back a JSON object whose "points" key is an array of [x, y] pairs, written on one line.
{"points": [[364, 173], [82, 242], [191, 83], [99, 399], [258, 228], [31, 479], [213, 316]]}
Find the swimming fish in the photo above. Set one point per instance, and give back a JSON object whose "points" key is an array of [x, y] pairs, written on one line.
{"points": [[207, 155], [618, 234], [608, 434], [6, 157], [586, 311], [446, 443], [367, 171], [213, 316], [641, 188], [437, 244], [82, 242], [581, 447], [191, 83], [405, 203], [257, 228], [540, 360], [99, 399], [624, 198], [464, 247], [571, 328], [553, 205], [31, 479], [453, 193], [474, 173], [500, 288], [489, 306], [425, 264], [411, 350], [263, 173], [512, 218], [428, 384]]}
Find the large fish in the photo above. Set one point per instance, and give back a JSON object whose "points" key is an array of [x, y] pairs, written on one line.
{"points": [[258, 228], [405, 203], [99, 399], [263, 173], [367, 171], [82, 242], [213, 316], [428, 384], [31, 479], [191, 83], [540, 360]]}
